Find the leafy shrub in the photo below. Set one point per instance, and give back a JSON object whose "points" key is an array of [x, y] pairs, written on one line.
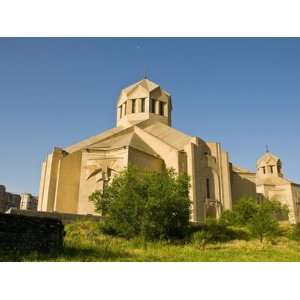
{"points": [[154, 205], [215, 232], [261, 217], [244, 210], [202, 238], [295, 233], [228, 217], [263, 223]]}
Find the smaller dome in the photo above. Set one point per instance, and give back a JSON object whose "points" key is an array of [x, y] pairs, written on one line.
{"points": [[269, 164], [141, 101]]}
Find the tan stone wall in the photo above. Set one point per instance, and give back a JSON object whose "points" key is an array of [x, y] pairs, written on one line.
{"points": [[48, 180], [222, 170], [144, 160], [198, 212], [91, 161], [242, 184], [166, 152], [284, 195], [296, 199], [67, 187]]}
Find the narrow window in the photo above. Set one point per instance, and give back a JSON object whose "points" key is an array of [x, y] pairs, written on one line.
{"points": [[125, 108], [153, 104], [207, 189], [133, 106], [143, 105], [264, 170], [271, 169], [121, 111], [161, 108], [279, 167]]}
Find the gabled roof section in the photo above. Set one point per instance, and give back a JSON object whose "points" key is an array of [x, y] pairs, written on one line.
{"points": [[167, 134], [99, 137], [272, 181], [94, 139], [238, 169], [129, 139]]}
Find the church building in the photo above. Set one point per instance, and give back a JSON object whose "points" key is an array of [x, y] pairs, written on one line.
{"points": [[144, 136]]}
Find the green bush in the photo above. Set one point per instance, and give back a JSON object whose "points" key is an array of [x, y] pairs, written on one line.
{"points": [[244, 210], [201, 238], [215, 232], [263, 223], [261, 217], [154, 205], [295, 233], [228, 217]]}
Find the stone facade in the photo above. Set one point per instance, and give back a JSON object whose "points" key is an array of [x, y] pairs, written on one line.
{"points": [[143, 136]]}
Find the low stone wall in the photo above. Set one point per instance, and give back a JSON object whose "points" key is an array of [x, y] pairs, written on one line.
{"points": [[65, 218], [24, 233]]}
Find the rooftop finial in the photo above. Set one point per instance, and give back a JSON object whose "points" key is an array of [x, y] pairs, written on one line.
{"points": [[145, 75], [267, 148]]}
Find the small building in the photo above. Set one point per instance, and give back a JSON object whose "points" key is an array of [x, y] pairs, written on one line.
{"points": [[8, 200], [28, 202]]}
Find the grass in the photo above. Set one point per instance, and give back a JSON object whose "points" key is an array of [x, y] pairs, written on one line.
{"points": [[85, 242]]}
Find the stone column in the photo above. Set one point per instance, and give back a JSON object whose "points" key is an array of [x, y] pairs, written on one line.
{"points": [[138, 105], [147, 105], [157, 107]]}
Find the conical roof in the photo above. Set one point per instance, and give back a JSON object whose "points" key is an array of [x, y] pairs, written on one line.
{"points": [[267, 158], [145, 83], [144, 86]]}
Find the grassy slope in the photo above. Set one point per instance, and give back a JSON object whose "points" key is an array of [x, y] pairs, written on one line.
{"points": [[84, 242]]}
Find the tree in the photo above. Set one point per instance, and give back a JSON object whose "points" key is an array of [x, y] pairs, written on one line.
{"points": [[263, 223], [260, 217], [228, 217], [152, 204], [167, 209], [244, 210]]}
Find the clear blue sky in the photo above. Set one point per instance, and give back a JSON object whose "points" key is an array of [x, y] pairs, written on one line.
{"points": [[244, 93]]}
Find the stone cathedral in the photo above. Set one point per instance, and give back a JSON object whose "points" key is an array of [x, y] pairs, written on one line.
{"points": [[144, 136]]}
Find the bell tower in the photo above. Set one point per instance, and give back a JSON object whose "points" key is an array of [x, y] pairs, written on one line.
{"points": [[269, 165], [141, 101]]}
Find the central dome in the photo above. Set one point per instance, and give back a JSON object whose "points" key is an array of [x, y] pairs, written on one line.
{"points": [[143, 100]]}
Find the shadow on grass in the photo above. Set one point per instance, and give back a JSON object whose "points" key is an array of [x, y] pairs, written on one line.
{"points": [[69, 253], [93, 254]]}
